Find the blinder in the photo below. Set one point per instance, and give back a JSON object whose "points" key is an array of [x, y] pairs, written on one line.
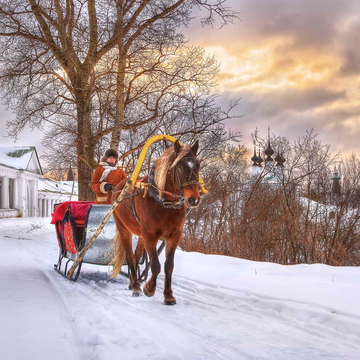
{"points": [[193, 179]]}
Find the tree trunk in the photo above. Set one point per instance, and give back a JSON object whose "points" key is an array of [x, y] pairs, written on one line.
{"points": [[85, 147], [120, 97], [84, 179]]}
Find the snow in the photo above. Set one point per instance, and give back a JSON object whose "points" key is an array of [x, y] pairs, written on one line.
{"points": [[227, 308], [21, 162], [62, 187]]}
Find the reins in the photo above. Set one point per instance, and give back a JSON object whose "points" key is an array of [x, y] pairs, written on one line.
{"points": [[166, 192], [155, 187]]}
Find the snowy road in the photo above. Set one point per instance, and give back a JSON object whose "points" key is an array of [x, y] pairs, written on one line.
{"points": [[227, 308]]}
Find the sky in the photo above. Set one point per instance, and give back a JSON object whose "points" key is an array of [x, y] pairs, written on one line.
{"points": [[227, 308], [294, 64], [25, 138]]}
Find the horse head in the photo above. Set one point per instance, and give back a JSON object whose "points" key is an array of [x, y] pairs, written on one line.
{"points": [[178, 170], [186, 173]]}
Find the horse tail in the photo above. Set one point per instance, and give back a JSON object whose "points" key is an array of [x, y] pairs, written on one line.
{"points": [[119, 256]]}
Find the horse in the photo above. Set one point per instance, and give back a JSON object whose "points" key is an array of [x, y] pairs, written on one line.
{"points": [[157, 211]]}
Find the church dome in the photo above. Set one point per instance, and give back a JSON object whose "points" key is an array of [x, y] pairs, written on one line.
{"points": [[254, 158], [278, 158], [269, 151]]}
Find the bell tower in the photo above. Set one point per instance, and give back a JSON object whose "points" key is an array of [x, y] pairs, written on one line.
{"points": [[336, 188]]}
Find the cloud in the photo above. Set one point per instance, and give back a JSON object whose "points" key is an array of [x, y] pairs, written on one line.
{"points": [[310, 23], [300, 100], [296, 66], [352, 62], [347, 40]]}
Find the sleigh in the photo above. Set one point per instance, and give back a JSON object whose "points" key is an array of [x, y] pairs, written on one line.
{"points": [[77, 233], [75, 222]]}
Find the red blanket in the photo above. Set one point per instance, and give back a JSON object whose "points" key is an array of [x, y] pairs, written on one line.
{"points": [[78, 209]]}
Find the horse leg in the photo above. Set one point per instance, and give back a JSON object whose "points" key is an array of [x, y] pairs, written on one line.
{"points": [[126, 240], [126, 237], [171, 246], [150, 286], [139, 250]]}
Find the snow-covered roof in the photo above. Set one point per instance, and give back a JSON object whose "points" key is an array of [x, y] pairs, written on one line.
{"points": [[318, 212], [59, 187], [21, 158]]}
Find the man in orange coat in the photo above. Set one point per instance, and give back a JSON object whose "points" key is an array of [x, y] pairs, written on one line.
{"points": [[106, 177]]}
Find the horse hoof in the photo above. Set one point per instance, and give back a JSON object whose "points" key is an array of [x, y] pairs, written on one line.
{"points": [[170, 302], [148, 294], [136, 293], [131, 287]]}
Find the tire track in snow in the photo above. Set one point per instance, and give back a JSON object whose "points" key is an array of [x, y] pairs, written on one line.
{"points": [[134, 312], [306, 317], [215, 322]]}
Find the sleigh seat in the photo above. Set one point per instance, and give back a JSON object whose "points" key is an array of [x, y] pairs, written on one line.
{"points": [[69, 219]]}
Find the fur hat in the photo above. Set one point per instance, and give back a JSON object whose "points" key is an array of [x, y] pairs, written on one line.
{"points": [[108, 153]]}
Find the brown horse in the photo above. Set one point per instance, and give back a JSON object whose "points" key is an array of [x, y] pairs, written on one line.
{"points": [[159, 212]]}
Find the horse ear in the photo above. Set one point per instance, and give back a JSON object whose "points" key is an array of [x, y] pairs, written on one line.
{"points": [[195, 147], [177, 146]]}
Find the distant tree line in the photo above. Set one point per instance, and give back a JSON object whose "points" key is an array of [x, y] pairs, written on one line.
{"points": [[295, 219]]}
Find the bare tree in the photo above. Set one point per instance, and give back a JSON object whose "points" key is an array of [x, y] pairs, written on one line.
{"points": [[331, 221], [291, 217], [166, 92], [209, 228], [51, 52]]}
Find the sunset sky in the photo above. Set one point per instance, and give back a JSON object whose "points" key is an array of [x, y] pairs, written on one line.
{"points": [[295, 64]]}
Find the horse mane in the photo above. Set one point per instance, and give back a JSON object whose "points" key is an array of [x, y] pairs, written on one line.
{"points": [[167, 161]]}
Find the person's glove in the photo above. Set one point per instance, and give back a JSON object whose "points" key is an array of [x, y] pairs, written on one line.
{"points": [[109, 187]]}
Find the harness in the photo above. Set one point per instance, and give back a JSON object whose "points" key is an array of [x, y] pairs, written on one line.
{"points": [[154, 191]]}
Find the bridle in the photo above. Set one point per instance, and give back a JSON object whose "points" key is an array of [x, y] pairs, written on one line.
{"points": [[192, 179], [177, 184]]}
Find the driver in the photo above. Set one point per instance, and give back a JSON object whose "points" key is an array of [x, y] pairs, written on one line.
{"points": [[106, 177]]}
